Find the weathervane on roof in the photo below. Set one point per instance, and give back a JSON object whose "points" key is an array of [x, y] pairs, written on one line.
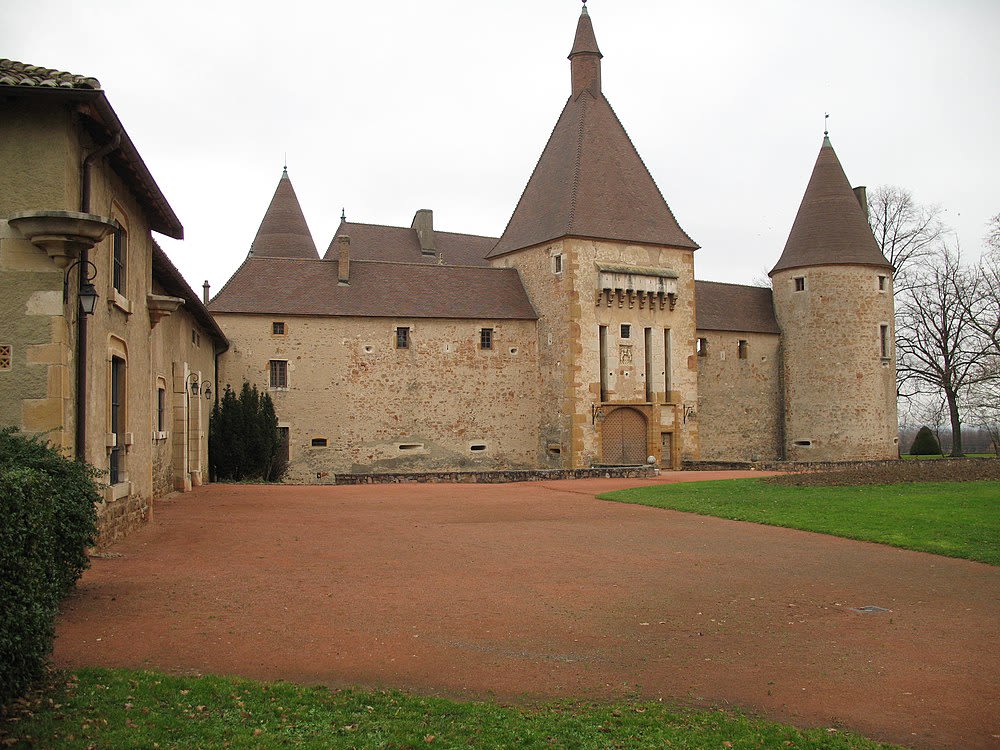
{"points": [[585, 7], [285, 167], [343, 214], [826, 125]]}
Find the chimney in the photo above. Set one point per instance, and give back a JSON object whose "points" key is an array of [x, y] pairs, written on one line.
{"points": [[344, 259], [423, 222], [204, 292], [861, 193]]}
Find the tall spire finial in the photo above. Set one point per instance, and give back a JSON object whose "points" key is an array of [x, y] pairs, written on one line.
{"points": [[585, 8], [343, 214], [826, 125], [284, 169]]}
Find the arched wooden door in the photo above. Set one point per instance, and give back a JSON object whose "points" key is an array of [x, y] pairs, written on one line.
{"points": [[623, 438]]}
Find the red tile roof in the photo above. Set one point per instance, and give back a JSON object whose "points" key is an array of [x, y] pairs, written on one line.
{"points": [[830, 227], [734, 307], [283, 232], [590, 181], [401, 245], [292, 286]]}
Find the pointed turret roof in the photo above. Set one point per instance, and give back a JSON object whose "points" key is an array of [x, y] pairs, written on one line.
{"points": [[284, 233], [590, 181], [830, 227]]}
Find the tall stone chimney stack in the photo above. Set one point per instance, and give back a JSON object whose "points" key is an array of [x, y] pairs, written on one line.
{"points": [[423, 222], [344, 259], [205, 292]]}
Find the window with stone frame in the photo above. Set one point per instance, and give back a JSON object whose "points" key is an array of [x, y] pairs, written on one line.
{"points": [[161, 408], [119, 259], [701, 347], [278, 373], [800, 283], [278, 328], [116, 458], [485, 338], [742, 348], [402, 337]]}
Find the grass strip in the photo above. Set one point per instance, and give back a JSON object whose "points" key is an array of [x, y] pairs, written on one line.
{"points": [[112, 709], [956, 519]]}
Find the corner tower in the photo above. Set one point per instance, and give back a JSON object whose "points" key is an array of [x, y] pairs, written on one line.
{"points": [[611, 274], [834, 305]]}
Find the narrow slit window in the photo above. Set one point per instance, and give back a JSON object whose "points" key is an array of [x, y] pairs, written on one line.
{"points": [[486, 338], [402, 338], [161, 409], [647, 345], [666, 365], [477, 447], [603, 333], [742, 348], [883, 340], [702, 347], [119, 260]]}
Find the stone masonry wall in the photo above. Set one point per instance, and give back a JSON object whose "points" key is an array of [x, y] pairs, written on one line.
{"points": [[443, 404], [840, 393], [739, 400]]}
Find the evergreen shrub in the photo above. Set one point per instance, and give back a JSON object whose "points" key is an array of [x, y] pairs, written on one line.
{"points": [[244, 443], [925, 443], [47, 519]]}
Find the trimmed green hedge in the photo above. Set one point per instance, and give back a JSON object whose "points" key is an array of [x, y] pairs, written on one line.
{"points": [[47, 519], [925, 443]]}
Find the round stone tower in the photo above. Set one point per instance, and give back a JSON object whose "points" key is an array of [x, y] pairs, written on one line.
{"points": [[833, 302]]}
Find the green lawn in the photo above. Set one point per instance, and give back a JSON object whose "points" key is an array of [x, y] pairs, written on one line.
{"points": [[111, 709], [911, 457], [958, 519]]}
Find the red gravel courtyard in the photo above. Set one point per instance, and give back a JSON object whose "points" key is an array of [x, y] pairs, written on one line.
{"points": [[537, 591]]}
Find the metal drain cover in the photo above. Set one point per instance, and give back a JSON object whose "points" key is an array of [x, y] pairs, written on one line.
{"points": [[870, 609]]}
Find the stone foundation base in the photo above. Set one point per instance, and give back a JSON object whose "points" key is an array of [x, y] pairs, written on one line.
{"points": [[117, 518], [496, 477]]}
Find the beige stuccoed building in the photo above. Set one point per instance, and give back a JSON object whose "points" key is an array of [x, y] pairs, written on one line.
{"points": [[114, 385], [580, 337]]}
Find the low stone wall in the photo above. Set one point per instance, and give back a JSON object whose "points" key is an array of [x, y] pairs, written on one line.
{"points": [[495, 477], [805, 466]]}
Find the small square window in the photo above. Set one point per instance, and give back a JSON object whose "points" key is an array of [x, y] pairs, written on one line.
{"points": [[278, 373], [626, 330], [318, 442], [402, 338], [800, 283], [486, 338], [742, 348], [557, 263], [278, 328], [702, 347]]}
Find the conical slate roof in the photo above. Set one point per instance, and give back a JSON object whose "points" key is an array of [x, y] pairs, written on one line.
{"points": [[830, 227], [284, 233], [590, 181]]}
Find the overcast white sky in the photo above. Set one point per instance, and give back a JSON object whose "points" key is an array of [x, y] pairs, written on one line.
{"points": [[387, 107]]}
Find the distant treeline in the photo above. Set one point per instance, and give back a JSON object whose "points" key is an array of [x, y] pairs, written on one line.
{"points": [[974, 439]]}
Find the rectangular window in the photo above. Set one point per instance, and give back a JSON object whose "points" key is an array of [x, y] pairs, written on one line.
{"points": [[119, 260], [603, 333], [195, 338], [883, 337], [318, 443], [800, 283], [648, 351], [626, 330], [742, 348], [161, 409], [279, 373], [557, 264], [402, 338], [883, 283], [666, 365], [702, 347], [486, 338], [278, 328], [116, 459]]}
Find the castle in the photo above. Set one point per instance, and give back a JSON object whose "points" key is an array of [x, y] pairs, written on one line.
{"points": [[580, 337]]}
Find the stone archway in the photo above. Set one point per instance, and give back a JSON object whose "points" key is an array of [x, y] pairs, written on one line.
{"points": [[623, 438]]}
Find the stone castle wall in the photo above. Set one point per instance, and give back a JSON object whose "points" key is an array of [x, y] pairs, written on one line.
{"points": [[739, 400], [443, 404]]}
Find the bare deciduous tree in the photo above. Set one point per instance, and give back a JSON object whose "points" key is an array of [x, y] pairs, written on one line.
{"points": [[939, 349], [904, 229], [992, 238]]}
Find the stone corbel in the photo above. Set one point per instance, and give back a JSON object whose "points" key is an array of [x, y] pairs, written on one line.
{"points": [[673, 301], [160, 306]]}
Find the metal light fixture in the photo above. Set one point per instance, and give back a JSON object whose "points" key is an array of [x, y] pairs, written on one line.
{"points": [[88, 294], [207, 391], [194, 387]]}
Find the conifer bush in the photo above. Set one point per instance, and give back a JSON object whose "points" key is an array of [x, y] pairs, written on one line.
{"points": [[925, 443], [243, 439], [47, 520]]}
